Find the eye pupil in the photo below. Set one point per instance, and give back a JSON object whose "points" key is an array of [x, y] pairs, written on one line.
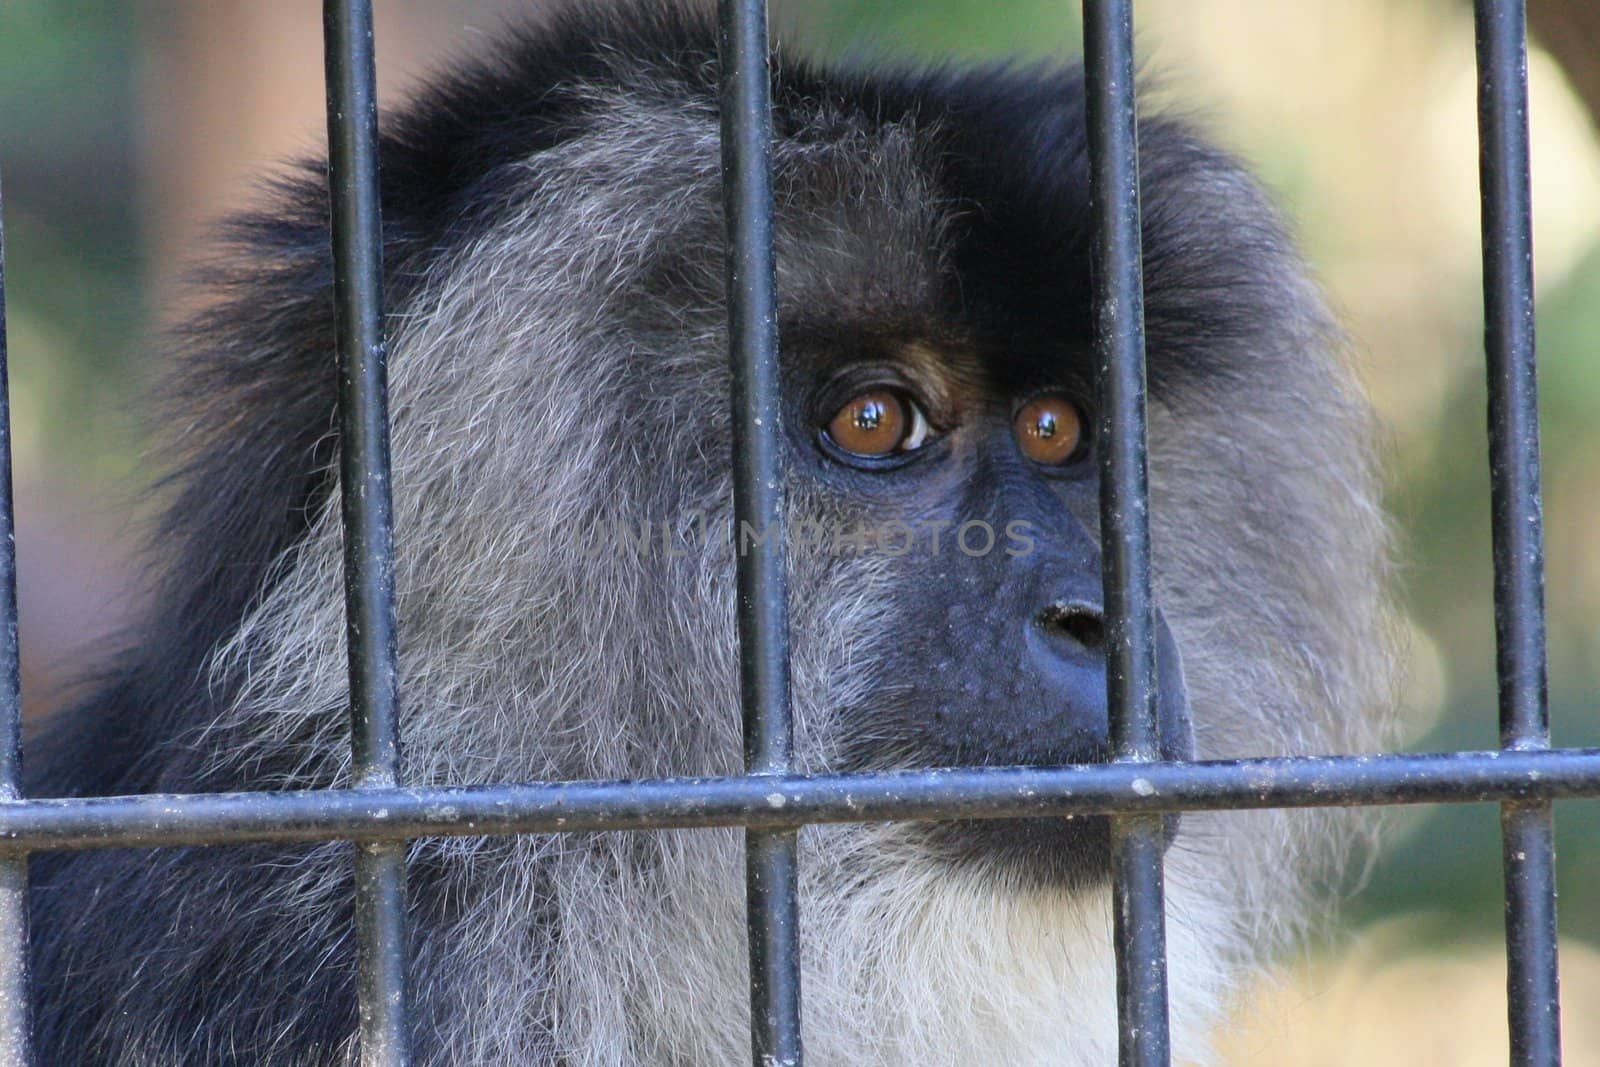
{"points": [[1049, 430]]}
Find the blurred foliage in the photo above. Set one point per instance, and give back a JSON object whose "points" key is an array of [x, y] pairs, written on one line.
{"points": [[939, 28], [69, 124], [1450, 862], [67, 139]]}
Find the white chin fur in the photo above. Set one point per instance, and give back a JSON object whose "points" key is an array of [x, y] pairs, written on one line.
{"points": [[922, 964]]}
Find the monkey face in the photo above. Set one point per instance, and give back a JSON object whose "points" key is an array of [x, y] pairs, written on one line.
{"points": [[975, 477]]}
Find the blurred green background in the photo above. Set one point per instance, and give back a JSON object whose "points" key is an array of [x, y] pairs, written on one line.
{"points": [[125, 125]]}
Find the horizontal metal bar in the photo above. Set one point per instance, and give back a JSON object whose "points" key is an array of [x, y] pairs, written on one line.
{"points": [[784, 801]]}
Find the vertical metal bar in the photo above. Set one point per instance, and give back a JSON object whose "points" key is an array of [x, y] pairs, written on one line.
{"points": [[14, 1037], [357, 233], [1528, 829], [1137, 842], [771, 859]]}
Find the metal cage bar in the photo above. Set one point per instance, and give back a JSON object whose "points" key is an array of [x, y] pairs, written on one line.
{"points": [[14, 1038], [357, 236], [167, 820], [1138, 842], [1527, 827], [771, 856]]}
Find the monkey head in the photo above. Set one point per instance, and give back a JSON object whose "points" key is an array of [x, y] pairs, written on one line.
{"points": [[566, 553]]}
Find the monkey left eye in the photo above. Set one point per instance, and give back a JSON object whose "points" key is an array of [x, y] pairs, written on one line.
{"points": [[879, 423], [1050, 430]]}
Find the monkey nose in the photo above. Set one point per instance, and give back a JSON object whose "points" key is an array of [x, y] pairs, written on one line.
{"points": [[1066, 646], [1067, 640], [1074, 623]]}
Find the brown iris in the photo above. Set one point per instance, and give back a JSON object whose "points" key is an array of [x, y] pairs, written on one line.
{"points": [[1049, 429], [879, 422]]}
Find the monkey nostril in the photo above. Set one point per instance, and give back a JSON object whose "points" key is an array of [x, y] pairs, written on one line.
{"points": [[1077, 622]]}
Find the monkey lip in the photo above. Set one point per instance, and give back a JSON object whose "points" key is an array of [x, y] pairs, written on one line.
{"points": [[1070, 852]]}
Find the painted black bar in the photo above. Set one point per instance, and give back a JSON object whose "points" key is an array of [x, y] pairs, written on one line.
{"points": [[1533, 980], [1528, 830], [772, 802], [14, 1037], [771, 858], [1137, 843], [357, 233]]}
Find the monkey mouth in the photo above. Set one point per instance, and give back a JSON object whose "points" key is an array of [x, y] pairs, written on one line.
{"points": [[1045, 853], [1070, 852], [1061, 853]]}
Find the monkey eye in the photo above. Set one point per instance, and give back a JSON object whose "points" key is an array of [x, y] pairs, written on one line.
{"points": [[1050, 430], [878, 423]]}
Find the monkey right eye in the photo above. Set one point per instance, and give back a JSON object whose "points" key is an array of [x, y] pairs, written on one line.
{"points": [[877, 424]]}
